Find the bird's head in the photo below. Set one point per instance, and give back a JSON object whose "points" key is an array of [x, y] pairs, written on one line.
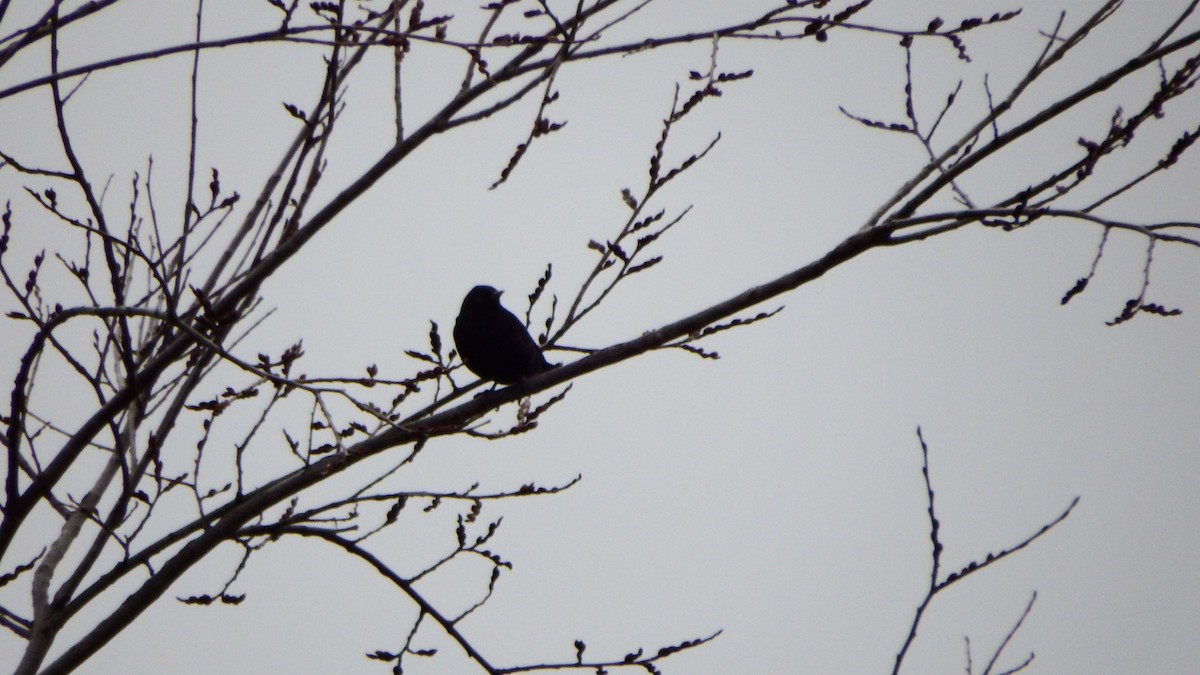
{"points": [[482, 296]]}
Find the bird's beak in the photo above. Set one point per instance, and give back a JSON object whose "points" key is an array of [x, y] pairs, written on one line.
{"points": [[498, 293]]}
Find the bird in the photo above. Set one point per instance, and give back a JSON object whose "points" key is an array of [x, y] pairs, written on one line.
{"points": [[493, 343]]}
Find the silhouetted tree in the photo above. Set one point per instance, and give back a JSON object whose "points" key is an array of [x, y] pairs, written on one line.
{"points": [[128, 322]]}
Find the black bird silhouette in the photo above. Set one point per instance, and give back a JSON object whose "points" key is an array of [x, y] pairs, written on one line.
{"points": [[492, 342]]}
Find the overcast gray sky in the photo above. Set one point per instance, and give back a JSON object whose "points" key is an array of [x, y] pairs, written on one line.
{"points": [[774, 494]]}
